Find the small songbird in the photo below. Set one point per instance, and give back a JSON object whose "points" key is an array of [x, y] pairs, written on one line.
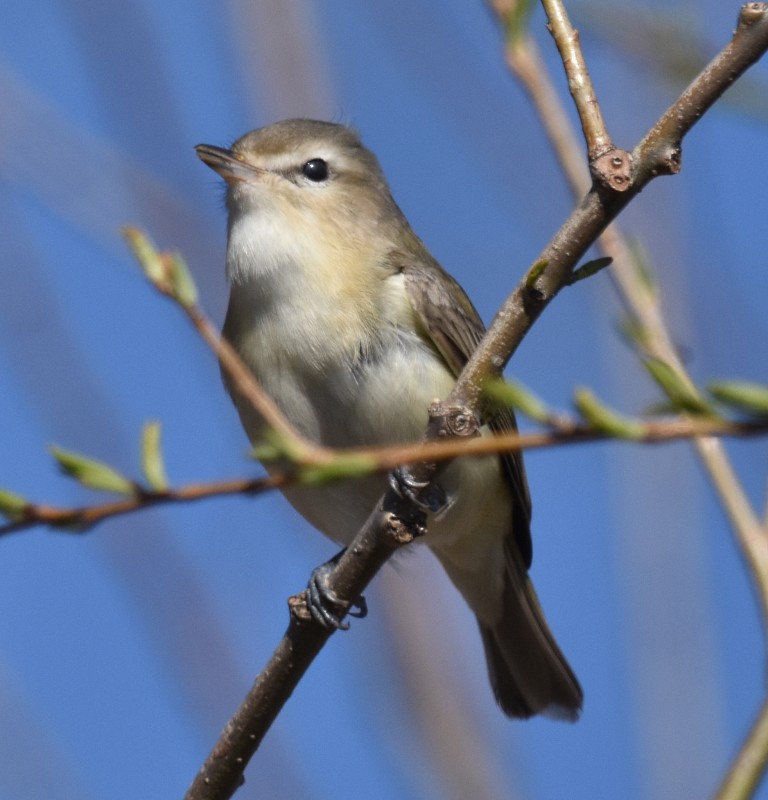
{"points": [[353, 329]]}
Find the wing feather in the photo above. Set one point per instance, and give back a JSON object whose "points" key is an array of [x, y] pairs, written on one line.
{"points": [[454, 327]]}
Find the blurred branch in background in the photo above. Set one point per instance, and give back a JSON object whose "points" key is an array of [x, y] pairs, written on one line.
{"points": [[279, 38], [42, 140], [643, 306], [670, 46]]}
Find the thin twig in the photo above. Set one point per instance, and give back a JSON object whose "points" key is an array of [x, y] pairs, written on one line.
{"points": [[745, 771], [579, 82], [569, 431], [81, 519], [608, 165]]}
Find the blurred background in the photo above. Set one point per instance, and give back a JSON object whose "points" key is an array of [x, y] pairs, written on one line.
{"points": [[124, 651]]}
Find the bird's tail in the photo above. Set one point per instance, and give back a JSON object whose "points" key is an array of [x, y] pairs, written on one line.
{"points": [[528, 672]]}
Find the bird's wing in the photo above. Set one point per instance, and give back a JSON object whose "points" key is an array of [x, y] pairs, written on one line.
{"points": [[453, 325]]}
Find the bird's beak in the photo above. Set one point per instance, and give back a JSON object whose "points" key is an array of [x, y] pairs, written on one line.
{"points": [[226, 163]]}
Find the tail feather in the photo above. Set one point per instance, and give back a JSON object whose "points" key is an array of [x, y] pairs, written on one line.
{"points": [[528, 672]]}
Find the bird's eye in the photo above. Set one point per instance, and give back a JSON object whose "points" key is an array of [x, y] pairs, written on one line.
{"points": [[316, 170]]}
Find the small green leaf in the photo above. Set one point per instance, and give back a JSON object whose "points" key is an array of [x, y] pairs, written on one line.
{"points": [[182, 283], [535, 271], [342, 466], [150, 260], [266, 451], [683, 395], [274, 447], [743, 395], [92, 473], [511, 393], [589, 269], [606, 419], [152, 462], [661, 408], [12, 506]]}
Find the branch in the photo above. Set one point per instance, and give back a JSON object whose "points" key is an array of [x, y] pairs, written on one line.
{"points": [[609, 165], [747, 768], [223, 770], [388, 528], [82, 519], [642, 304], [579, 82], [345, 463]]}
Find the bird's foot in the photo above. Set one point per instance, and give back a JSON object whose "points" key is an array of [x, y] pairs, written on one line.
{"points": [[405, 485], [324, 604]]}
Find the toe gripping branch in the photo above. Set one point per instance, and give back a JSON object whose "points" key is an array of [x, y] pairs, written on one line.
{"points": [[325, 606]]}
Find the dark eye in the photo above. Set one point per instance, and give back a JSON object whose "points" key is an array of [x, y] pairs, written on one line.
{"points": [[316, 170]]}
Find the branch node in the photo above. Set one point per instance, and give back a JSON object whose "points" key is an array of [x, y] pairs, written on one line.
{"points": [[533, 300], [751, 13], [667, 159], [298, 608], [673, 158], [403, 531], [613, 169], [452, 420]]}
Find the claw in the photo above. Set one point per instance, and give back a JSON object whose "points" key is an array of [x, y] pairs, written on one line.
{"points": [[403, 482], [324, 604]]}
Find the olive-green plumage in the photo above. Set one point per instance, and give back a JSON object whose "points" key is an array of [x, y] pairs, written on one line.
{"points": [[353, 328]]}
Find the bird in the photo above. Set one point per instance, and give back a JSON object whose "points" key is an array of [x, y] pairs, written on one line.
{"points": [[353, 328]]}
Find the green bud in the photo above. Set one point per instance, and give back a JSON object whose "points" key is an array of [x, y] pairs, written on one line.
{"points": [[683, 395], [274, 447], [535, 271], [182, 284], [516, 20], [342, 466], [150, 260], [152, 462], [605, 419], [743, 395], [589, 269], [515, 395], [12, 506], [92, 473]]}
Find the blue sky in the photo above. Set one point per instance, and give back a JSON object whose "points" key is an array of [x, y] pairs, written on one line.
{"points": [[124, 651]]}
